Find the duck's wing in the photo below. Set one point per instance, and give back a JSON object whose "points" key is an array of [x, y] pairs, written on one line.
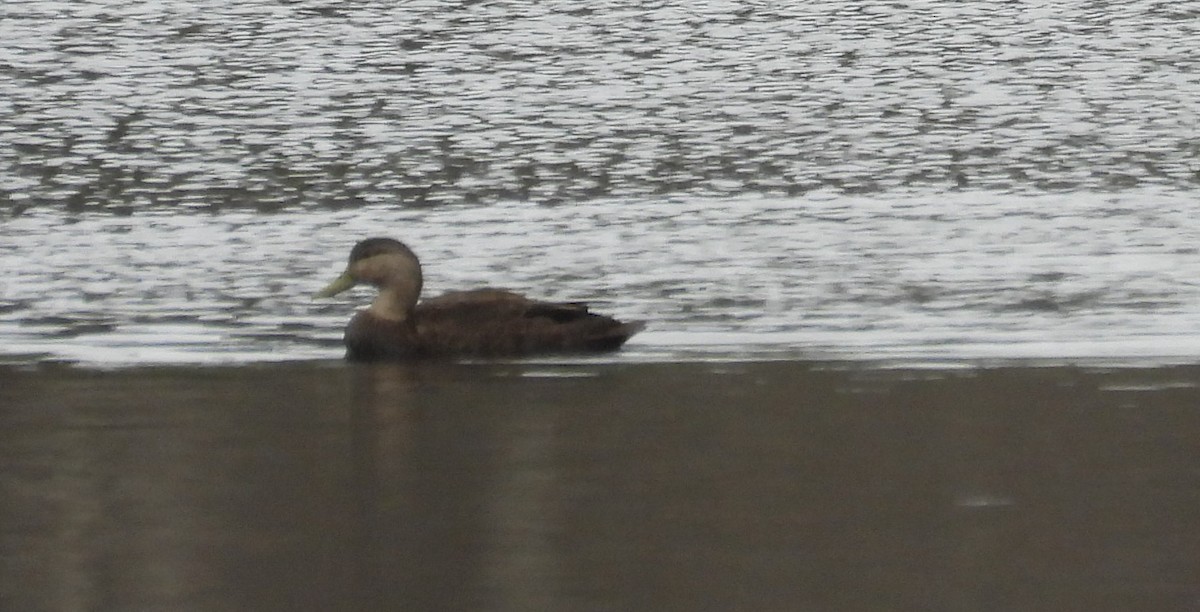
{"points": [[500, 322]]}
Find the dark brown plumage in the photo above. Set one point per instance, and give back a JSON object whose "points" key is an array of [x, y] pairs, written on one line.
{"points": [[483, 322]]}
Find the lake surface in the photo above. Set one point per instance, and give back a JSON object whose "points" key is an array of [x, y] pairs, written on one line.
{"points": [[920, 282], [662, 486], [868, 181]]}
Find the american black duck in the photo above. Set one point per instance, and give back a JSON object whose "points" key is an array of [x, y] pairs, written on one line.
{"points": [[482, 322]]}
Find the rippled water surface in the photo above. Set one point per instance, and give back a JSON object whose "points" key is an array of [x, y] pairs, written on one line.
{"points": [[870, 180], [974, 275]]}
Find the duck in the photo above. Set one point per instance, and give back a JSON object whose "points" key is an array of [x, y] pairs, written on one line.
{"points": [[484, 322]]}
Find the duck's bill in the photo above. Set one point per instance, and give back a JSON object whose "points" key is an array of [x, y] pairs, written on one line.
{"points": [[343, 282]]}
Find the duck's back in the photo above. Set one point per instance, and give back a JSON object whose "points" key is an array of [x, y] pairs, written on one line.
{"points": [[490, 322]]}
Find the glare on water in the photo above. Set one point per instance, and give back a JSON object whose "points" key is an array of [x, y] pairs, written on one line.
{"points": [[872, 180], [976, 276]]}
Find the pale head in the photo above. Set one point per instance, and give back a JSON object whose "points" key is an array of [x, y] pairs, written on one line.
{"points": [[388, 265]]}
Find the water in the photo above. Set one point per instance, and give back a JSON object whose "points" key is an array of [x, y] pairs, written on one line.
{"points": [[975, 276], [663, 486], [867, 181], [791, 194], [266, 104]]}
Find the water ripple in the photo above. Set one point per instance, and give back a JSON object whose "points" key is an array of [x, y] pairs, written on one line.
{"points": [[979, 276], [269, 105]]}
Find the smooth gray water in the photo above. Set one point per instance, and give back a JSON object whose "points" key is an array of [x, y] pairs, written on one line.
{"points": [[871, 180], [775, 486]]}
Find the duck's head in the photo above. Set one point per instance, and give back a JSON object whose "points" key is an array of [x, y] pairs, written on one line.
{"points": [[388, 265]]}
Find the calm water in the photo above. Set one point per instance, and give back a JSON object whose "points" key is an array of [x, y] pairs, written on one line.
{"points": [[865, 180], [775, 486]]}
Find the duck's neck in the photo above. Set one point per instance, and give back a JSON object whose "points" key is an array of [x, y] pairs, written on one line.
{"points": [[397, 276], [395, 302]]}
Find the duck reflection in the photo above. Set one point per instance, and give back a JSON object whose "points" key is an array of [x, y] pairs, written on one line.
{"points": [[453, 489]]}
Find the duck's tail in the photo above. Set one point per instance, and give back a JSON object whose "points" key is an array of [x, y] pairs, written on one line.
{"points": [[612, 337]]}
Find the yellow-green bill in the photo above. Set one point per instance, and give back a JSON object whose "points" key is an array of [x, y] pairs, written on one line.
{"points": [[343, 282]]}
